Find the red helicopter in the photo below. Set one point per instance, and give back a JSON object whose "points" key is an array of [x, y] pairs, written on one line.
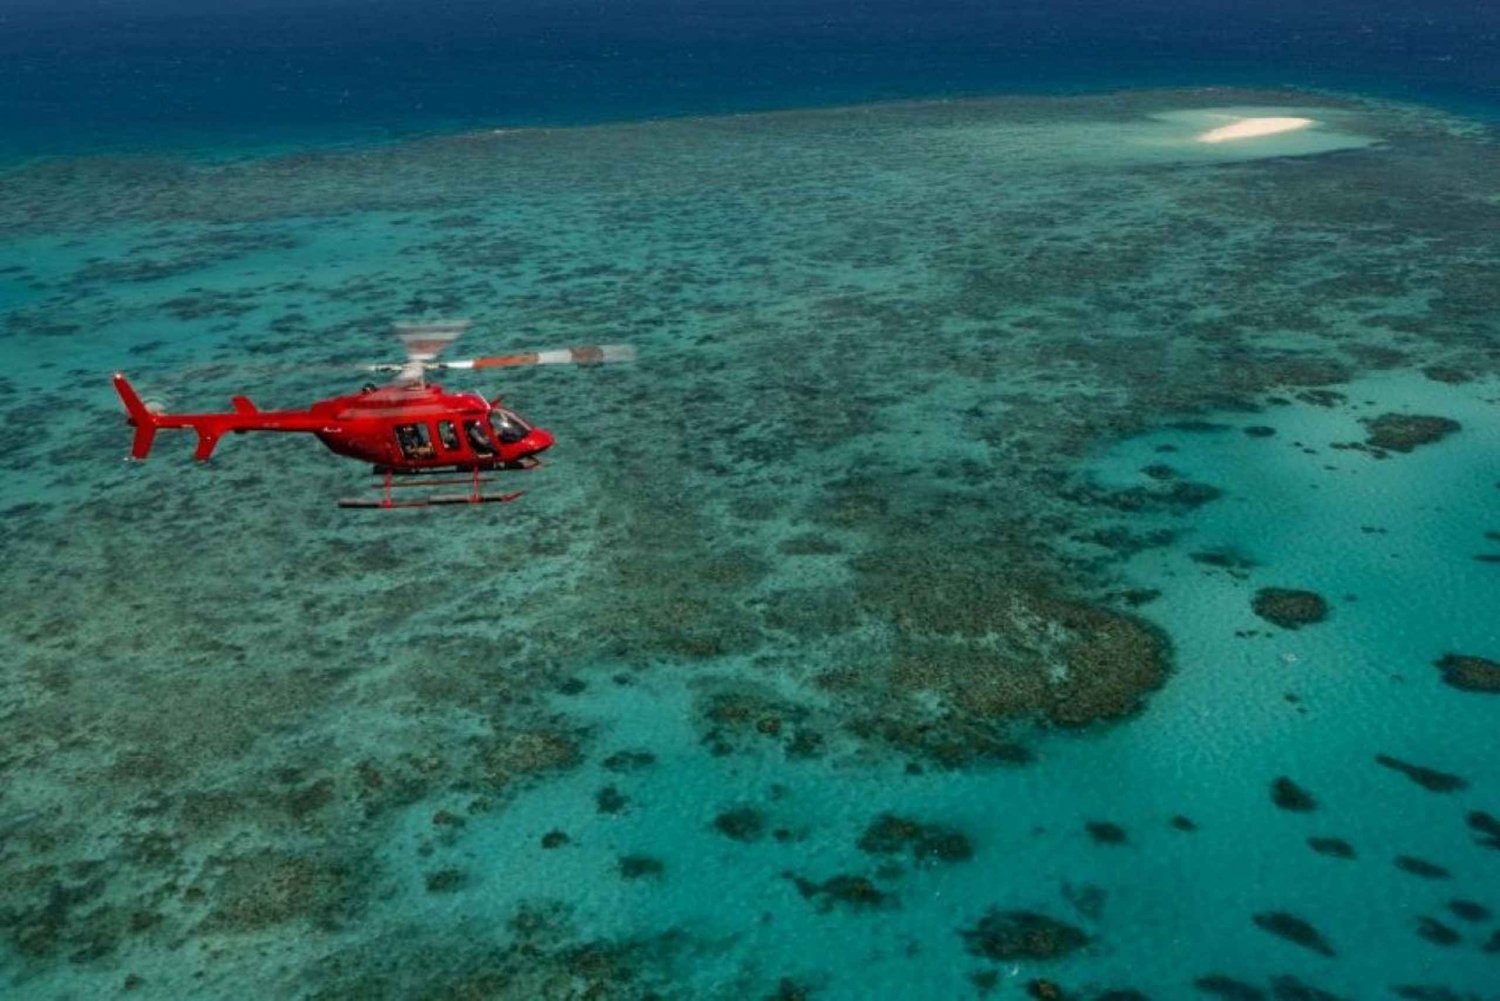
{"points": [[413, 432]]}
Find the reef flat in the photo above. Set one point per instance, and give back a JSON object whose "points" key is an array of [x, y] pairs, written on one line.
{"points": [[889, 630]]}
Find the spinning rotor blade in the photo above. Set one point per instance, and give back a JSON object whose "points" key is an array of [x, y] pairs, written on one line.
{"points": [[425, 341], [592, 355]]}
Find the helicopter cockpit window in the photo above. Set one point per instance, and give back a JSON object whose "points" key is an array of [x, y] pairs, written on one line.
{"points": [[414, 440], [448, 435], [478, 440], [509, 427]]}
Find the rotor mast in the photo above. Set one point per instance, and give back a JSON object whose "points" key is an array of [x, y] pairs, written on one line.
{"points": [[423, 343]]}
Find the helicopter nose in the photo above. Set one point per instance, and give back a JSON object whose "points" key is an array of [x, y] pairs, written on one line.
{"points": [[538, 440]]}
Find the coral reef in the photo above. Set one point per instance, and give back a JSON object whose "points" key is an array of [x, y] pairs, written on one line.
{"points": [[641, 866], [850, 892], [1289, 988], [1006, 935], [1105, 833], [1436, 932], [1332, 847], [247, 737], [1288, 795], [1289, 608], [742, 823], [1486, 825], [1293, 929], [1421, 867], [1404, 432], [1428, 778], [1229, 989], [1469, 673], [1469, 910], [889, 834]]}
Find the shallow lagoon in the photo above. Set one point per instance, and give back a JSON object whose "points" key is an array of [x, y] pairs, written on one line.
{"points": [[874, 501]]}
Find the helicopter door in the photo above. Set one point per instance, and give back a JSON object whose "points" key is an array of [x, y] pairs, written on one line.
{"points": [[479, 441], [448, 435], [415, 442]]}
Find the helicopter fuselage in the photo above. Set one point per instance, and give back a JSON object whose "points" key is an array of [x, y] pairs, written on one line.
{"points": [[395, 427]]}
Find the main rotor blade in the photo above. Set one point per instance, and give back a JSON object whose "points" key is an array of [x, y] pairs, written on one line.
{"points": [[593, 355]]}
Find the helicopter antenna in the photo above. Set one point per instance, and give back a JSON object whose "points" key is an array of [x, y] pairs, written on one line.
{"points": [[423, 343]]}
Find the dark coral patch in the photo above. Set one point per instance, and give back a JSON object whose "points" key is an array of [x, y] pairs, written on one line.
{"points": [[1433, 992], [743, 823], [1289, 988], [1227, 988], [1288, 795], [1289, 608], [889, 834], [1469, 673], [1226, 558], [1428, 778], [640, 867], [611, 800], [445, 880], [849, 891], [1421, 867], [1404, 432], [1105, 833], [1008, 935], [1486, 825], [1436, 932], [1332, 847], [629, 761], [1469, 910], [1448, 374], [1293, 929], [788, 989], [1086, 897]]}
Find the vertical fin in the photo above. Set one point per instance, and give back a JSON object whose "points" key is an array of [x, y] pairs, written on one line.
{"points": [[143, 420], [208, 438]]}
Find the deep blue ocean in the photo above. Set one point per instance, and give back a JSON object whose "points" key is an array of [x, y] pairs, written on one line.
{"points": [[74, 74]]}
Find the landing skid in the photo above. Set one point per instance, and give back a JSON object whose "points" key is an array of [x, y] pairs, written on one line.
{"points": [[424, 479]]}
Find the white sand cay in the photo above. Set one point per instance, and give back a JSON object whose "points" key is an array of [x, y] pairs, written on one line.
{"points": [[1247, 132], [1251, 128]]}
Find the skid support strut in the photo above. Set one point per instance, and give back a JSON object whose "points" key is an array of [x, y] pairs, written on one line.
{"points": [[389, 483]]}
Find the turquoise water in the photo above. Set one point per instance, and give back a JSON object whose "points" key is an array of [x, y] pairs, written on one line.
{"points": [[931, 496]]}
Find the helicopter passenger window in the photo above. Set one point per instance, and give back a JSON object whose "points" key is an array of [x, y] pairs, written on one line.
{"points": [[448, 435], [478, 440], [415, 442], [508, 427]]}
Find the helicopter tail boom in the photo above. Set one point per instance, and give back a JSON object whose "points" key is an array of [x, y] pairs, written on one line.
{"points": [[209, 427]]}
